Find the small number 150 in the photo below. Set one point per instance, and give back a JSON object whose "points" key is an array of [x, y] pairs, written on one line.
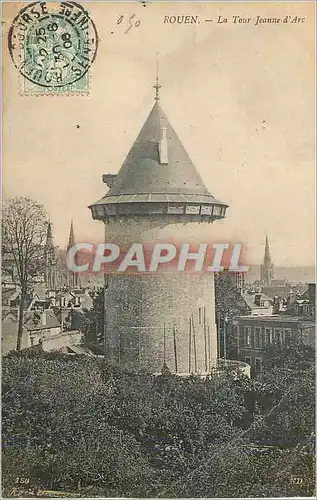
{"points": [[22, 480]]}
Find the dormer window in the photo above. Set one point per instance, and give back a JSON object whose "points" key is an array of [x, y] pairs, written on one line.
{"points": [[163, 150]]}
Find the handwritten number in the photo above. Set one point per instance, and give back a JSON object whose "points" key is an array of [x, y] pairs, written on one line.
{"points": [[131, 24]]}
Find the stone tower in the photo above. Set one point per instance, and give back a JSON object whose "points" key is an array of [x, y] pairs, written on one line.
{"points": [[50, 270], [267, 268], [72, 278], [161, 321]]}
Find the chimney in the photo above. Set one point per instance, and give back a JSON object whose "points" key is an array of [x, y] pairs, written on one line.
{"points": [[163, 150], [257, 299], [276, 304], [109, 179]]}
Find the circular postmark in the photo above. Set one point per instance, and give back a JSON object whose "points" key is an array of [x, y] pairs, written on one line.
{"points": [[53, 48]]}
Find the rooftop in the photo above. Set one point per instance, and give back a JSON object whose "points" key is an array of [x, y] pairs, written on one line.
{"points": [[279, 318], [250, 300], [34, 320], [142, 171], [158, 171]]}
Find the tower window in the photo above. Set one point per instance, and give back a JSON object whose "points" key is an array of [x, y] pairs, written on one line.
{"points": [[217, 210]]}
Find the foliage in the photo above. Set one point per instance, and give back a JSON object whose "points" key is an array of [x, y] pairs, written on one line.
{"points": [[75, 423], [293, 354], [24, 225], [228, 307], [93, 324]]}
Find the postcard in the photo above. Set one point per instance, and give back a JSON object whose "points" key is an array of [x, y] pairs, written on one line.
{"points": [[158, 279]]}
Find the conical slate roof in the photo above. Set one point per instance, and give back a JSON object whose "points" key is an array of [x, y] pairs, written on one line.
{"points": [[158, 179], [143, 173]]}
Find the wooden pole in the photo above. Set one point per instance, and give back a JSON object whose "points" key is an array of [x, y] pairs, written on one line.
{"points": [[194, 343], [190, 346], [225, 340], [175, 348], [205, 340], [61, 314], [164, 343], [139, 348], [105, 316], [219, 337], [208, 340]]}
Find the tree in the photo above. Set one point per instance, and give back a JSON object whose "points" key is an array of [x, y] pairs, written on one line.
{"points": [[228, 307], [78, 423], [24, 226], [285, 391], [294, 354]]}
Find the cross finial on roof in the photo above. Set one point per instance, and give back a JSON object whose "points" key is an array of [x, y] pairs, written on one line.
{"points": [[157, 86]]}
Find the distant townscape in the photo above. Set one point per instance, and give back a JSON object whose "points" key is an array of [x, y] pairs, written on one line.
{"points": [[56, 310], [55, 304]]}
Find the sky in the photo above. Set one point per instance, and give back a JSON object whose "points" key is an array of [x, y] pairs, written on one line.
{"points": [[240, 97]]}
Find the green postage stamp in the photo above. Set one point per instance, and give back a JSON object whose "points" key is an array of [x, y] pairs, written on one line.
{"points": [[53, 47]]}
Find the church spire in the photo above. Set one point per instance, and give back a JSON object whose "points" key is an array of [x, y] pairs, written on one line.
{"points": [[157, 86], [267, 256], [71, 239], [267, 268], [49, 236], [50, 264], [72, 277]]}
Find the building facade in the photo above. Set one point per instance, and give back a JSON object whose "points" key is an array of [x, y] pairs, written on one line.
{"points": [[256, 333]]}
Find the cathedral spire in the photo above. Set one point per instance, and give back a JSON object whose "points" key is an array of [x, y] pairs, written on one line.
{"points": [[267, 268], [50, 264], [157, 86], [267, 256], [72, 278], [71, 239], [49, 236]]}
